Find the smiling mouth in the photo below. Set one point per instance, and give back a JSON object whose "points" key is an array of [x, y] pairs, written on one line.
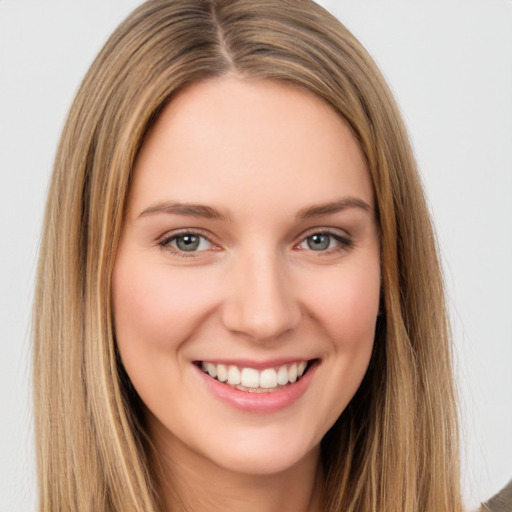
{"points": [[252, 380]]}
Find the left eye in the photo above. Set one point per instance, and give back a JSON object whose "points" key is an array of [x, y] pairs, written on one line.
{"points": [[187, 242], [322, 242]]}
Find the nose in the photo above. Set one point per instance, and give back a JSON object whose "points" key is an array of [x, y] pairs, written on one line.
{"points": [[260, 301]]}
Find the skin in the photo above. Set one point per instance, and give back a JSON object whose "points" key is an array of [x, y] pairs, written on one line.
{"points": [[260, 153]]}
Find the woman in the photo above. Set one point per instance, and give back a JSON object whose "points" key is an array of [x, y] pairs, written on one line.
{"points": [[234, 198]]}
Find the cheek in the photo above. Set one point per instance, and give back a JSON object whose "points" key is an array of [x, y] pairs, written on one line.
{"points": [[345, 301], [157, 308], [342, 303]]}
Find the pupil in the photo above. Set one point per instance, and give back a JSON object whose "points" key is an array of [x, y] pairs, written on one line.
{"points": [[318, 242], [188, 242]]}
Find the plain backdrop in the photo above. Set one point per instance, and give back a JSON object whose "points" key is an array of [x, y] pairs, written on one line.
{"points": [[449, 63]]}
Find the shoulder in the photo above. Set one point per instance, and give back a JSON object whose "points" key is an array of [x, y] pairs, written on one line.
{"points": [[501, 502]]}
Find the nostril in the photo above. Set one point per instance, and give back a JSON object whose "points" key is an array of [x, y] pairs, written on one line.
{"points": [[260, 324]]}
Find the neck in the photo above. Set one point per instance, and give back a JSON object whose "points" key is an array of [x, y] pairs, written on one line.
{"points": [[189, 482]]}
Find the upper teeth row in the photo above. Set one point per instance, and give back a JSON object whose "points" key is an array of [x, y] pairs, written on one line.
{"points": [[252, 378]]}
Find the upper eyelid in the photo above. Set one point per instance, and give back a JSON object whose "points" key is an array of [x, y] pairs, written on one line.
{"points": [[185, 231], [209, 236], [325, 230]]}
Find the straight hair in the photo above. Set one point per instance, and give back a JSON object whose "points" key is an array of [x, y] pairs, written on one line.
{"points": [[395, 446]]}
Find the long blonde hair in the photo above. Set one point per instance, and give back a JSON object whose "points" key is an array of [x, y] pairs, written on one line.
{"points": [[395, 447]]}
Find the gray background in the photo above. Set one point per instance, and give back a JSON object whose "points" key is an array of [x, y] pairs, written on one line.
{"points": [[449, 63]]}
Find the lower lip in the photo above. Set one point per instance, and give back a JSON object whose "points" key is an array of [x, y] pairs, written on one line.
{"points": [[260, 402]]}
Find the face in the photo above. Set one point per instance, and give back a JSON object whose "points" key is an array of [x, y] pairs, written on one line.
{"points": [[246, 284]]}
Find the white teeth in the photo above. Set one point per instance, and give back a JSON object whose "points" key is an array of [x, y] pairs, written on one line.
{"points": [[292, 373], [282, 376], [233, 375], [211, 369], [250, 379], [268, 378], [222, 373]]}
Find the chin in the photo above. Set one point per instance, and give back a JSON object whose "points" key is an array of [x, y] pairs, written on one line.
{"points": [[262, 462], [265, 451]]}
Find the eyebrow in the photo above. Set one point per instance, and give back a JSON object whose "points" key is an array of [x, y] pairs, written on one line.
{"points": [[208, 212], [345, 203], [187, 209]]}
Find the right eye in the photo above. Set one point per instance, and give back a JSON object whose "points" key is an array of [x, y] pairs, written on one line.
{"points": [[186, 243]]}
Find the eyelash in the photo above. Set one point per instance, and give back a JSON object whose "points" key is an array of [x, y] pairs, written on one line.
{"points": [[344, 242], [165, 243]]}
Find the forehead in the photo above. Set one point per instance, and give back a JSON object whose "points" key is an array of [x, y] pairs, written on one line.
{"points": [[240, 142]]}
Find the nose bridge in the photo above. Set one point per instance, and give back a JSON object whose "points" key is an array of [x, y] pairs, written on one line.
{"points": [[261, 302]]}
